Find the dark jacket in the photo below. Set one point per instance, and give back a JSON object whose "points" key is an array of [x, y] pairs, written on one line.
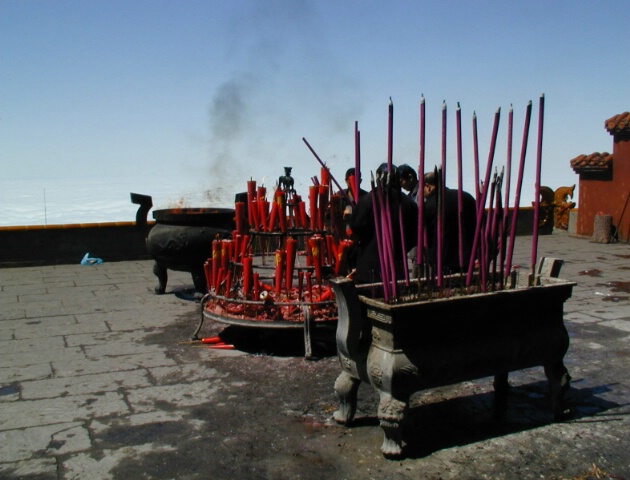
{"points": [[363, 229], [450, 246]]}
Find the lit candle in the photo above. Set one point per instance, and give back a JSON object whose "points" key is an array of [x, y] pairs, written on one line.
{"points": [[325, 176], [252, 214]]}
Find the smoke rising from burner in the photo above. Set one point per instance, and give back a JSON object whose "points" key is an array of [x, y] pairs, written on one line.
{"points": [[253, 134]]}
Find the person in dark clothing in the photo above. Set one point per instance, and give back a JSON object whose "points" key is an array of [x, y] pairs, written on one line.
{"points": [[450, 245], [409, 181], [363, 227], [347, 208]]}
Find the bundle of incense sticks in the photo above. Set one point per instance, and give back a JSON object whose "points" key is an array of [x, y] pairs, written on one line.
{"points": [[490, 262]]}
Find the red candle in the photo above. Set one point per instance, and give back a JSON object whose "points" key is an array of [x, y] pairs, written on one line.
{"points": [[216, 259], [291, 254], [325, 176], [273, 218], [315, 244], [341, 255], [261, 193], [225, 253], [313, 194], [251, 196], [248, 271], [220, 276], [330, 249], [256, 286], [323, 205], [263, 213], [300, 284], [244, 245], [253, 212], [303, 216], [228, 283], [281, 200], [279, 267], [236, 247], [309, 285]]}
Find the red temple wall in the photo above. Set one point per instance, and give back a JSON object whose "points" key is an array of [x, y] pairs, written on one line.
{"points": [[607, 196]]}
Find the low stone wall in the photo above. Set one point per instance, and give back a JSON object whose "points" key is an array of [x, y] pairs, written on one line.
{"points": [[67, 244], [113, 242]]}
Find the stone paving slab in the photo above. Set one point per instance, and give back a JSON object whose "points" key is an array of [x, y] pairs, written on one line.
{"points": [[97, 381]]}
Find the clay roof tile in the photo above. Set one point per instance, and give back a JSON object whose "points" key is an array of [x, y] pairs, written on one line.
{"points": [[618, 124], [593, 163]]}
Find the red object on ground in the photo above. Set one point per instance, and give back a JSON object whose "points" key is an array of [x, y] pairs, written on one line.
{"points": [[214, 340]]}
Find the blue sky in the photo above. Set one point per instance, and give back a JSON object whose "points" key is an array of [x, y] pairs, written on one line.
{"points": [[215, 92]]}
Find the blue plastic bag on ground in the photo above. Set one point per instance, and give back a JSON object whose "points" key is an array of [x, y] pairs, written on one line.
{"points": [[91, 261]]}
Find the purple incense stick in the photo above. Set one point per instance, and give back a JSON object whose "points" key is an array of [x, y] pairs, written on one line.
{"points": [[460, 197], [420, 199], [476, 158], [517, 194], [484, 195], [541, 115]]}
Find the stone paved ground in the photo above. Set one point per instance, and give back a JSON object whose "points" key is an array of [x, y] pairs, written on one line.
{"points": [[96, 381]]}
